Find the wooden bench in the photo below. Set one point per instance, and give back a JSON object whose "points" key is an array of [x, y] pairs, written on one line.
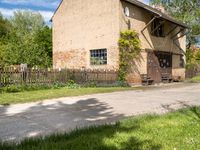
{"points": [[146, 80], [166, 77]]}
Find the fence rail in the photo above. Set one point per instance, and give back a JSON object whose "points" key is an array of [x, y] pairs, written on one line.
{"points": [[11, 76]]}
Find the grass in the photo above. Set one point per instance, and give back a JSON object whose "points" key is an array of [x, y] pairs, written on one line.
{"points": [[195, 79], [179, 130], [32, 96]]}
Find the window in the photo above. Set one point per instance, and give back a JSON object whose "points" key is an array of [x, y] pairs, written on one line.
{"points": [[182, 61], [126, 11], [98, 57], [165, 60], [157, 28]]}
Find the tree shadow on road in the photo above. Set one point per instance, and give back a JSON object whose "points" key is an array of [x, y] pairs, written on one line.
{"points": [[57, 116], [68, 116], [105, 137]]}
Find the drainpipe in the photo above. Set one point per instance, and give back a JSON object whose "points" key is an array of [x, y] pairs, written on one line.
{"points": [[155, 17]]}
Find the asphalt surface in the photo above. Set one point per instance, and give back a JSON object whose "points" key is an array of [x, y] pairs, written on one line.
{"points": [[65, 114]]}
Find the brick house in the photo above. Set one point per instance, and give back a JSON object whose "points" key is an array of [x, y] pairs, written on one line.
{"points": [[86, 33]]}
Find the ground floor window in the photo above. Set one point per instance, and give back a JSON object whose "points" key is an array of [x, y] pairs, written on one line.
{"points": [[98, 57]]}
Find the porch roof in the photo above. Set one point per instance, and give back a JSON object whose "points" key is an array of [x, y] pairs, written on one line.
{"points": [[157, 12]]}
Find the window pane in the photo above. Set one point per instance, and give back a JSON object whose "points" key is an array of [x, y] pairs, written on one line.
{"points": [[98, 57], [157, 28]]}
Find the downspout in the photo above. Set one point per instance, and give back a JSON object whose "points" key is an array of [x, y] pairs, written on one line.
{"points": [[155, 17]]}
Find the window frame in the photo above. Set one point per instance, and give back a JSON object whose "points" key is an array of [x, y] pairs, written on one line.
{"points": [[159, 32], [100, 55], [165, 60]]}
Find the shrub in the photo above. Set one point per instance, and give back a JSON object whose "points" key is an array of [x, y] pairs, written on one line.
{"points": [[72, 85], [12, 89], [92, 84], [129, 49], [25, 87]]}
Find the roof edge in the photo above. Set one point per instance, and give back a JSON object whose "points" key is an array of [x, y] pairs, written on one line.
{"points": [[157, 12], [56, 10], [144, 6]]}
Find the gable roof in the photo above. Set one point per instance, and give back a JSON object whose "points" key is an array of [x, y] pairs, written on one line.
{"points": [[146, 7], [157, 12], [56, 9]]}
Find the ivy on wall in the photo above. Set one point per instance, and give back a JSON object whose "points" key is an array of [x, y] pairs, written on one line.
{"points": [[129, 49]]}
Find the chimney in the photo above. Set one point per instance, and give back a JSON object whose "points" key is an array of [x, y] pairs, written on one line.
{"points": [[160, 8]]}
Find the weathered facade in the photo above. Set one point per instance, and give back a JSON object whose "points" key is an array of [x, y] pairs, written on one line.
{"points": [[86, 33]]}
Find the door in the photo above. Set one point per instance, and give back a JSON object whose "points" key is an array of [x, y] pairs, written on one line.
{"points": [[165, 61], [153, 67], [159, 66]]}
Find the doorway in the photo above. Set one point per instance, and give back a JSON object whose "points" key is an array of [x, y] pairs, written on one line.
{"points": [[159, 67]]}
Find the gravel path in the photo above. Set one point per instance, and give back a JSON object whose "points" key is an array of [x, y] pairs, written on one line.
{"points": [[64, 114]]}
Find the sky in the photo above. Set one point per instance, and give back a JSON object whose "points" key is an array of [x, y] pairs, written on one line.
{"points": [[45, 7]]}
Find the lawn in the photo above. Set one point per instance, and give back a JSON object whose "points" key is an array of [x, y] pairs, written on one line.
{"points": [[195, 79], [179, 130], [32, 96]]}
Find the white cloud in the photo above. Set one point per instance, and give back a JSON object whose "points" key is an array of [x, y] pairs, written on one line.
{"points": [[46, 14], [9, 13], [38, 3]]}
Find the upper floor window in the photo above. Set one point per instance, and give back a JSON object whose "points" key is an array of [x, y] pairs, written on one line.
{"points": [[126, 12], [157, 28], [98, 57]]}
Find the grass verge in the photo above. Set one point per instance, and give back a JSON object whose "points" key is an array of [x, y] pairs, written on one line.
{"points": [[179, 130], [195, 79], [32, 96]]}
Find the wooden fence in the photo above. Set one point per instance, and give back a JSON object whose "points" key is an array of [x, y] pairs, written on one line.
{"points": [[192, 71], [11, 76]]}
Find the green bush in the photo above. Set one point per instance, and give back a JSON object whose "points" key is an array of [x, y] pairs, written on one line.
{"points": [[25, 87], [115, 84], [195, 79], [72, 85], [58, 85], [129, 49], [13, 89], [93, 84], [90, 84]]}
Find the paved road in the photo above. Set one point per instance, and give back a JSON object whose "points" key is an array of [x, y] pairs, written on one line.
{"points": [[59, 115]]}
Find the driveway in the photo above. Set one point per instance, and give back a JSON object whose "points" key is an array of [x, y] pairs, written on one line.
{"points": [[64, 114]]}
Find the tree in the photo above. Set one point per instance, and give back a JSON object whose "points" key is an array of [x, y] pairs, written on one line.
{"points": [[28, 41], [4, 26], [4, 31], [187, 11], [27, 22], [44, 39]]}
